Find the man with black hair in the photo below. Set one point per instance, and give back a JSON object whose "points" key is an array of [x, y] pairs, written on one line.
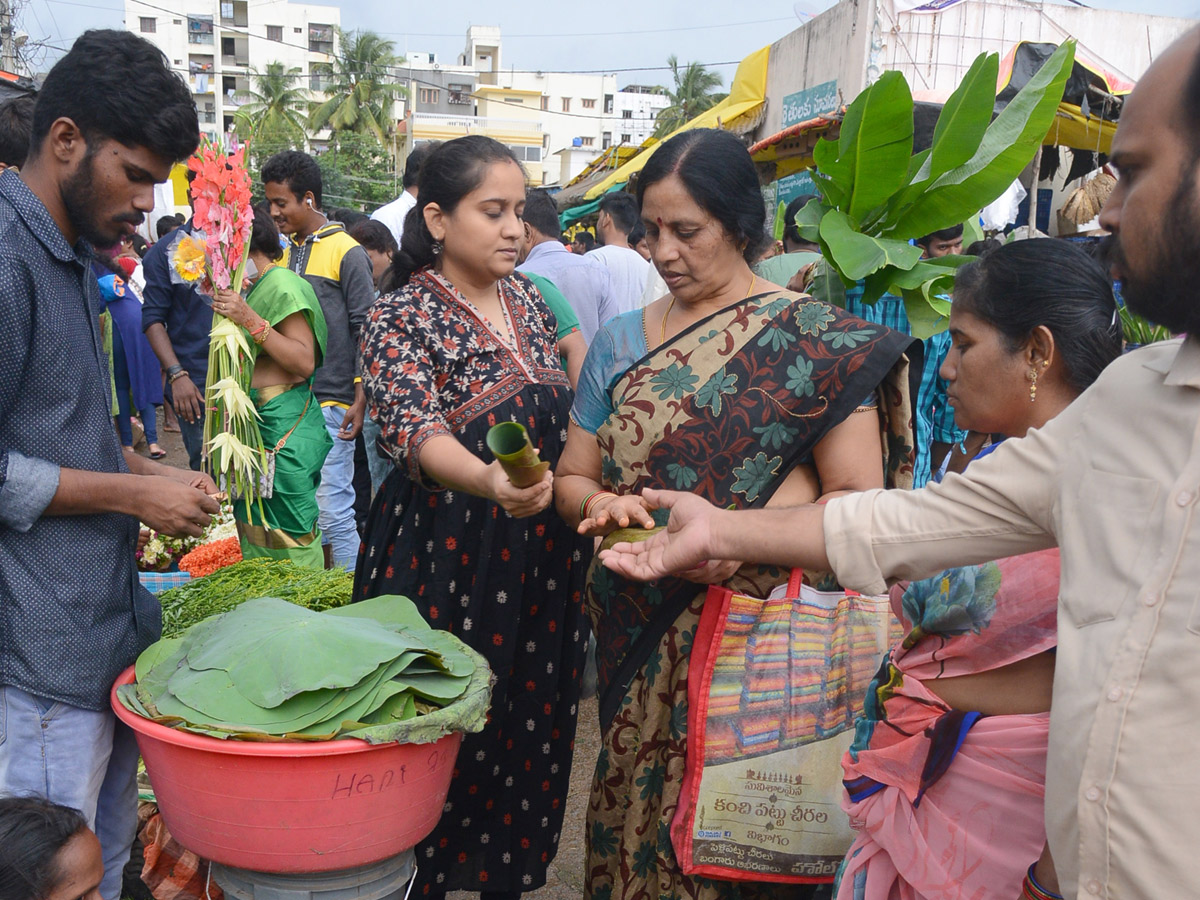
{"points": [[177, 319], [947, 242], [797, 252], [165, 225], [16, 119], [936, 434], [584, 243], [619, 215], [584, 282], [72, 613], [393, 214], [340, 272]]}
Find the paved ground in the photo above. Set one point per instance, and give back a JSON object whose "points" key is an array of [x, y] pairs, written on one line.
{"points": [[564, 881]]}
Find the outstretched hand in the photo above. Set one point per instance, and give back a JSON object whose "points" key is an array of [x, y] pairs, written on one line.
{"points": [[685, 544]]}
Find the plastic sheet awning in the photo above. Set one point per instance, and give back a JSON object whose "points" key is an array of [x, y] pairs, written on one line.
{"points": [[746, 97]]}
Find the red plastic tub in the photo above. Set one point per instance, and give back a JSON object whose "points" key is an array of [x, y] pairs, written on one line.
{"points": [[292, 807]]}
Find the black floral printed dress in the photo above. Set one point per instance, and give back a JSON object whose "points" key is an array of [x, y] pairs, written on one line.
{"points": [[511, 588]]}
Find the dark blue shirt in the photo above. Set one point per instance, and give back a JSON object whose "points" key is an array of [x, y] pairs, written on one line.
{"points": [[72, 613], [180, 307]]}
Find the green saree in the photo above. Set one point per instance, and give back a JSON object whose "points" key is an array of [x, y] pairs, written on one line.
{"points": [[291, 415]]}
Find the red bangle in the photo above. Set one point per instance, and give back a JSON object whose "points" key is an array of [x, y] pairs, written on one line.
{"points": [[1031, 890], [590, 501]]}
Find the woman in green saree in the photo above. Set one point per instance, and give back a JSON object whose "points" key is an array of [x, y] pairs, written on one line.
{"points": [[737, 390], [286, 329]]}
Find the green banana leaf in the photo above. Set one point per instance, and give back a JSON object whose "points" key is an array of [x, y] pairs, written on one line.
{"points": [[1008, 145], [857, 255], [808, 220], [432, 685], [965, 117], [869, 161], [274, 650]]}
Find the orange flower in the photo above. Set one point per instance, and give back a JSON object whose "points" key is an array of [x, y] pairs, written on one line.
{"points": [[207, 558]]}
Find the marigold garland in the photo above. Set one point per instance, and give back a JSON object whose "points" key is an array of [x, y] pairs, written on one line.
{"points": [[208, 558]]}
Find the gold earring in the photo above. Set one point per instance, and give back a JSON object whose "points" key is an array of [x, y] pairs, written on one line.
{"points": [[1032, 375]]}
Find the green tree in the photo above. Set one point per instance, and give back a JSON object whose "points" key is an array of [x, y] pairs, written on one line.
{"points": [[356, 172], [361, 89], [274, 107], [695, 90]]}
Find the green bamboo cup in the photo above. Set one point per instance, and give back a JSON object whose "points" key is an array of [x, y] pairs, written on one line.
{"points": [[510, 444]]}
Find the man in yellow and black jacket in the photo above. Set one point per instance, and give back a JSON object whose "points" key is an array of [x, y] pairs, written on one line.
{"points": [[339, 271]]}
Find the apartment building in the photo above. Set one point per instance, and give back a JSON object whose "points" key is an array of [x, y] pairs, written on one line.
{"points": [[555, 122], [217, 44]]}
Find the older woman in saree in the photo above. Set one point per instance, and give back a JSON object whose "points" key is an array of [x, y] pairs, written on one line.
{"points": [[286, 335], [741, 392]]}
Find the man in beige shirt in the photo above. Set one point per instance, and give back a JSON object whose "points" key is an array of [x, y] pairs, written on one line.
{"points": [[1114, 481]]}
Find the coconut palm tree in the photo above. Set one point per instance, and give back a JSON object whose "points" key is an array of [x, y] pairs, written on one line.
{"points": [[694, 92], [274, 107], [361, 88]]}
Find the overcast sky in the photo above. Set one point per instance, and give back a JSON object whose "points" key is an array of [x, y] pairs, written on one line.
{"points": [[558, 35]]}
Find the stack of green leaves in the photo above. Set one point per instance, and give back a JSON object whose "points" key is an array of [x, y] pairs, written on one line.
{"points": [[271, 670], [317, 589]]}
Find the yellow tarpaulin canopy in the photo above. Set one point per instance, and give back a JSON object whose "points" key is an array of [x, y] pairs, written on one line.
{"points": [[1073, 129], [746, 95]]}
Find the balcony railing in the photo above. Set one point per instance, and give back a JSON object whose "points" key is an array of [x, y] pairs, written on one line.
{"points": [[475, 124]]}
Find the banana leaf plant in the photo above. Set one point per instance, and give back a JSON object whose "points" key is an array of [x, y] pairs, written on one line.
{"points": [[876, 195]]}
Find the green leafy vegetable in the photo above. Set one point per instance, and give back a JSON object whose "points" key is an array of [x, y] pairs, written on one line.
{"points": [[316, 589]]}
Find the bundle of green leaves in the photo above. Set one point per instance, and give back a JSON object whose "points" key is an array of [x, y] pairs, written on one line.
{"points": [[876, 194], [196, 600], [270, 669]]}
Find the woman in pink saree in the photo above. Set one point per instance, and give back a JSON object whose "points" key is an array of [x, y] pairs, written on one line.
{"points": [[946, 775]]}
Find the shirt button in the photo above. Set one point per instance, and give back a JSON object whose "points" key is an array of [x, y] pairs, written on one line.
{"points": [[1093, 794], [1115, 694], [1150, 599], [1184, 498], [1093, 887]]}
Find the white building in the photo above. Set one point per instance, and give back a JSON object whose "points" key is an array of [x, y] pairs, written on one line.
{"points": [[217, 44], [577, 111], [635, 114]]}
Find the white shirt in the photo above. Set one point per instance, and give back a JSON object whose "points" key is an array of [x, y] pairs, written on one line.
{"points": [[628, 271], [655, 287], [393, 214], [1114, 481]]}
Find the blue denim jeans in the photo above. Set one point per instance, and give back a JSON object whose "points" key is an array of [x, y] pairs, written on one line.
{"points": [[378, 464], [78, 758], [193, 440], [335, 495]]}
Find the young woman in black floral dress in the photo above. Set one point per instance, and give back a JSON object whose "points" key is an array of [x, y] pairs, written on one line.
{"points": [[465, 343]]}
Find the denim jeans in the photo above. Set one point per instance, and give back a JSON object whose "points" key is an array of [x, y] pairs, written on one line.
{"points": [[193, 439], [79, 758], [378, 464], [335, 495]]}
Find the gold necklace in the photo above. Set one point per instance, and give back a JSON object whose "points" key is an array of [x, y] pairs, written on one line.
{"points": [[662, 333]]}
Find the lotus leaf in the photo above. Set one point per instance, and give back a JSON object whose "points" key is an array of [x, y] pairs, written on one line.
{"points": [[274, 650]]}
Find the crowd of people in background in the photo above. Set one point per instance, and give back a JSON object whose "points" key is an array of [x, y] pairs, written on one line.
{"points": [[673, 371]]}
